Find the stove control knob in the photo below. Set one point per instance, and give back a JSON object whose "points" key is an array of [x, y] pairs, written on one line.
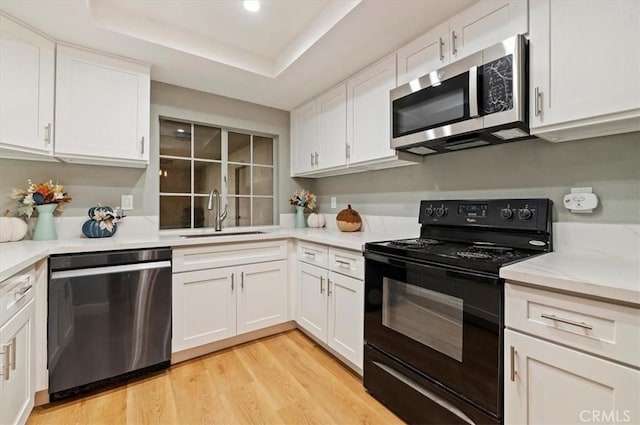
{"points": [[429, 211], [441, 212], [524, 214], [506, 214]]}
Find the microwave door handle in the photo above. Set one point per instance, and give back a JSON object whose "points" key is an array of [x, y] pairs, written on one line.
{"points": [[473, 92]]}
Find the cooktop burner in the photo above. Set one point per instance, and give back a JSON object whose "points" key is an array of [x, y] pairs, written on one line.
{"points": [[415, 243]]}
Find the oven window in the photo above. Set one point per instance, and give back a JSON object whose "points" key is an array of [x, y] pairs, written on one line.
{"points": [[431, 318]]}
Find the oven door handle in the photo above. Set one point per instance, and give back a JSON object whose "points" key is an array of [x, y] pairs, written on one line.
{"points": [[425, 392], [435, 269]]}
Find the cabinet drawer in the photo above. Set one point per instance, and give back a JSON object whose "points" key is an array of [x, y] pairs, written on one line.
{"points": [[350, 263], [224, 255], [16, 292], [601, 328], [313, 253]]}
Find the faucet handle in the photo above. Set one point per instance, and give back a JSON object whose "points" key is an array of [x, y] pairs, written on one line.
{"points": [[224, 214]]}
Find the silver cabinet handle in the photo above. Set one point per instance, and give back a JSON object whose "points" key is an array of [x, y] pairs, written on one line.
{"points": [[47, 133], [473, 91], [312, 159], [142, 146], [309, 254], [567, 321], [454, 49], [343, 263], [20, 293], [12, 358], [538, 101], [317, 158], [6, 351], [441, 46], [512, 355], [347, 148], [232, 279], [329, 287], [241, 280], [321, 285]]}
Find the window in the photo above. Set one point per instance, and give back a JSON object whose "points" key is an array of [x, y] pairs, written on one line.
{"points": [[196, 159]]}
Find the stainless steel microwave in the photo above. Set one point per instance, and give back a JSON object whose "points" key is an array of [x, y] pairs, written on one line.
{"points": [[476, 101]]}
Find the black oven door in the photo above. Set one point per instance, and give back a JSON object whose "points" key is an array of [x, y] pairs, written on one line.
{"points": [[445, 323]]}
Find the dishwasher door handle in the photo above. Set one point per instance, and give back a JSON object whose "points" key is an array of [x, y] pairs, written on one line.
{"points": [[95, 271]]}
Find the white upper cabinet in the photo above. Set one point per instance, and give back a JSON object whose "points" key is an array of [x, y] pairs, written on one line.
{"points": [[303, 134], [368, 111], [26, 91], [424, 54], [102, 108], [332, 123], [585, 68], [486, 23]]}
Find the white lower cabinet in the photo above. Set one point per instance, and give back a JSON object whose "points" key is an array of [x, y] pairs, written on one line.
{"points": [[17, 377], [569, 359], [330, 304], [214, 304], [546, 383]]}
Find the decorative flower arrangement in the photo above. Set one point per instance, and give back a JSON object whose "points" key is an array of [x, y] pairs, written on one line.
{"points": [[40, 194], [305, 199]]}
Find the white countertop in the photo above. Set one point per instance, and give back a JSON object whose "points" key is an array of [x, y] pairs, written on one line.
{"points": [[582, 272], [15, 256]]}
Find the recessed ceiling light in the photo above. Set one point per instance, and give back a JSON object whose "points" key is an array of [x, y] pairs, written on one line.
{"points": [[251, 5], [181, 130]]}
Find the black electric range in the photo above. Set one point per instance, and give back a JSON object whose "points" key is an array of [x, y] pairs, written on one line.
{"points": [[434, 319]]}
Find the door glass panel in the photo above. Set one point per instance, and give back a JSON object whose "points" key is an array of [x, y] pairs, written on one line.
{"points": [[175, 175], [239, 147], [206, 176], [239, 179], [207, 142], [262, 150], [175, 212], [431, 318], [175, 138], [262, 211], [262, 180], [446, 107], [202, 217], [239, 211]]}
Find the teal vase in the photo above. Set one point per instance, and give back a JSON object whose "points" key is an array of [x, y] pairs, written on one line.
{"points": [[45, 229], [300, 224]]}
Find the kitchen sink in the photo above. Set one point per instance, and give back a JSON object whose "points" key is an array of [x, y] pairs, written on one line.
{"points": [[206, 235]]}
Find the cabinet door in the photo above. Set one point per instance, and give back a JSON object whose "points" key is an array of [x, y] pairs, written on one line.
{"points": [[346, 317], [26, 89], [204, 307], [262, 296], [557, 385], [580, 73], [17, 383], [368, 111], [332, 127], [486, 23], [424, 54], [312, 299], [102, 107], [303, 135]]}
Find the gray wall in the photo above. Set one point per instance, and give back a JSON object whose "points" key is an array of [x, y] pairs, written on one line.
{"points": [[535, 168], [90, 185]]}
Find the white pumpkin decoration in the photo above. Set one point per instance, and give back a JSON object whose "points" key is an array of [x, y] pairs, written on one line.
{"points": [[316, 220], [12, 229]]}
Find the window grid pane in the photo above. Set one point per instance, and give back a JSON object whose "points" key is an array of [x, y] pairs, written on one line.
{"points": [[191, 173]]}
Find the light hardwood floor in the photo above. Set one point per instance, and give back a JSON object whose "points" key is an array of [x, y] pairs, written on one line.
{"points": [[282, 379]]}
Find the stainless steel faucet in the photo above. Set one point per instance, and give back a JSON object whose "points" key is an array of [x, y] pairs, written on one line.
{"points": [[217, 218]]}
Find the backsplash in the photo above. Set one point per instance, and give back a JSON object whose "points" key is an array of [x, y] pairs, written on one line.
{"points": [[534, 168]]}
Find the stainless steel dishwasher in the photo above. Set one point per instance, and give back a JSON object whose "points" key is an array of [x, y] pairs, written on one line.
{"points": [[109, 318]]}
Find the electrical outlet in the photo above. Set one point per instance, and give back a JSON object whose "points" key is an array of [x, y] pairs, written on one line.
{"points": [[333, 202], [126, 202]]}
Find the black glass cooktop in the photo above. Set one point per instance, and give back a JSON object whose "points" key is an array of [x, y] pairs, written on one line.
{"points": [[479, 256]]}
